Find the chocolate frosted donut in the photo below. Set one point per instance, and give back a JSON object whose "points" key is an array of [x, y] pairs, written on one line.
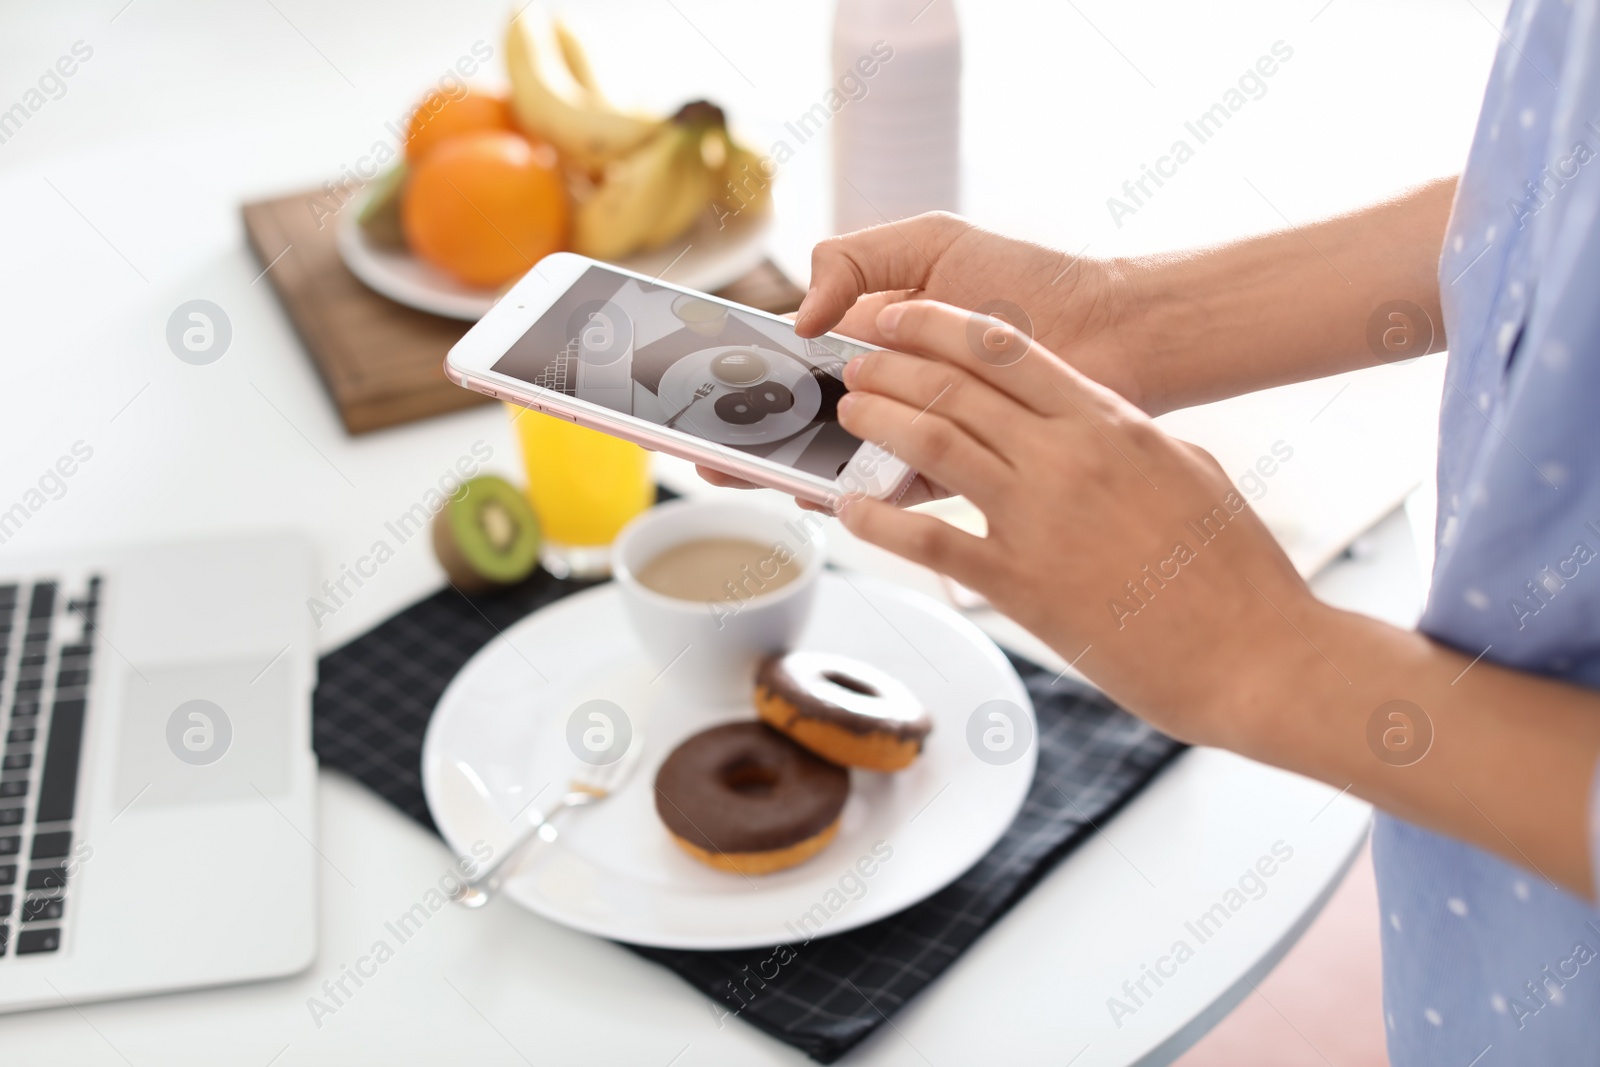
{"points": [[744, 798], [843, 710]]}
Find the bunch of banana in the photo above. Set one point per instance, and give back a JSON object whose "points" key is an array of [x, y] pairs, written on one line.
{"points": [[639, 181], [657, 191], [554, 97]]}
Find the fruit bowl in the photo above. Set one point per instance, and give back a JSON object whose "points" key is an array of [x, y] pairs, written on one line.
{"points": [[704, 257]]}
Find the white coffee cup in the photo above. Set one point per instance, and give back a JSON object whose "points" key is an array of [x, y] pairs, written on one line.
{"points": [[711, 648]]}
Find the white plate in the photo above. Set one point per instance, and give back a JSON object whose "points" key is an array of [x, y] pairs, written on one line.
{"points": [[614, 871], [714, 258]]}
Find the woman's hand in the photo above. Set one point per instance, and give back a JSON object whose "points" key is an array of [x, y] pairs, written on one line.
{"points": [[1070, 304], [1126, 550]]}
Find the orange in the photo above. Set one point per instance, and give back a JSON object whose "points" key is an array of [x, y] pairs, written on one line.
{"points": [[439, 118], [485, 207]]}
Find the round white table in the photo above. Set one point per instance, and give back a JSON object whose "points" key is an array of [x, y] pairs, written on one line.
{"points": [[123, 194]]}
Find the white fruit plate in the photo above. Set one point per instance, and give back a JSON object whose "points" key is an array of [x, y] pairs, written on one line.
{"points": [[705, 257], [613, 870]]}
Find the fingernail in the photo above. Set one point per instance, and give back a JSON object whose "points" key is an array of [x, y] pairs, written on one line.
{"points": [[852, 369], [803, 312], [846, 402], [889, 319]]}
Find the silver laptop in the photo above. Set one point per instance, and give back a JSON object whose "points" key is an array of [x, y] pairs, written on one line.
{"points": [[157, 785]]}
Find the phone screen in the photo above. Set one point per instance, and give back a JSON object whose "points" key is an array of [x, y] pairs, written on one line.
{"points": [[712, 371]]}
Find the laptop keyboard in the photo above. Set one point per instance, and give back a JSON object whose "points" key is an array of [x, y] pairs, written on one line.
{"points": [[44, 684]]}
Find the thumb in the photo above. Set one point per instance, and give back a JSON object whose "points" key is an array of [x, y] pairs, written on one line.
{"points": [[898, 255]]}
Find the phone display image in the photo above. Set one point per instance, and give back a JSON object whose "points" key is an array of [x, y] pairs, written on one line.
{"points": [[719, 373]]}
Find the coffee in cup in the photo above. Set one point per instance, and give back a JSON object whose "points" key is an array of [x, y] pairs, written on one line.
{"points": [[711, 588], [718, 568]]}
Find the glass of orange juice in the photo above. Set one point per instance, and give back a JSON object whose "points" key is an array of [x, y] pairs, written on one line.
{"points": [[584, 486]]}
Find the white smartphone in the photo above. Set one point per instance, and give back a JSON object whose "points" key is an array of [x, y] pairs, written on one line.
{"points": [[678, 371]]}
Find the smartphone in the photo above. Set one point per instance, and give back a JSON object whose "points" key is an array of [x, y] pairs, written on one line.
{"points": [[680, 372]]}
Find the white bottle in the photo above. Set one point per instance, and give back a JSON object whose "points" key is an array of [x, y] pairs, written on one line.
{"points": [[897, 134]]}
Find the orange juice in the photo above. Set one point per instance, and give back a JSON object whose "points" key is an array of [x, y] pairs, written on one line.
{"points": [[584, 486]]}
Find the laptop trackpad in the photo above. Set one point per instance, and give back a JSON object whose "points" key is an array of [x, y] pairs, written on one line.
{"points": [[207, 732]]}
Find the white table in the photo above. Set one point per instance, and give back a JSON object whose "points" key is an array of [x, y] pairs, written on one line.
{"points": [[122, 202]]}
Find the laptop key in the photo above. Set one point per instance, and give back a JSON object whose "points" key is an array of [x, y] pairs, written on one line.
{"points": [[25, 710], [48, 877], [21, 761], [43, 604], [8, 873], [21, 735], [10, 816], [10, 846], [5, 935], [16, 787], [50, 846], [58, 784], [42, 909], [31, 941], [5, 904]]}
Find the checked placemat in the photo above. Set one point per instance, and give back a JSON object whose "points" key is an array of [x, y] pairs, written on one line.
{"points": [[371, 707]]}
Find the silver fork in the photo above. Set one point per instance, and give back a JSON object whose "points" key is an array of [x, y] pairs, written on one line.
{"points": [[699, 395], [589, 786]]}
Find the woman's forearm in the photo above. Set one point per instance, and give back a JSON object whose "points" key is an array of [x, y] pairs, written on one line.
{"points": [[1284, 307], [1496, 757], [1499, 758]]}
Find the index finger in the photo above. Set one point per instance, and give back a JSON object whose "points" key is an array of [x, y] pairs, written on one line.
{"points": [[992, 350], [897, 255]]}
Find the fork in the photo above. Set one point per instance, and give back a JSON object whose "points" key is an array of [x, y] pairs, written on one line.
{"points": [[589, 786], [699, 395]]}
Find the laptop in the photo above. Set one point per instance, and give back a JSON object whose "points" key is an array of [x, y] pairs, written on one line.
{"points": [[157, 784]]}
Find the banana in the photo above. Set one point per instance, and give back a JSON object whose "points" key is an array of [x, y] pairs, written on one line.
{"points": [[551, 101], [744, 181], [653, 194], [576, 59], [693, 185]]}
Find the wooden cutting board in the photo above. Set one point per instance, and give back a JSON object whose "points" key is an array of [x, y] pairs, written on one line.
{"points": [[381, 361]]}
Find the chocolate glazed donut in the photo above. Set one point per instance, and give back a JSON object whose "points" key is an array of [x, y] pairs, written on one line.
{"points": [[743, 798]]}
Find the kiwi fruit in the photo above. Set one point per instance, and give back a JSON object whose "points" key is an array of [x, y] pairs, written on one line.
{"points": [[486, 536], [380, 215]]}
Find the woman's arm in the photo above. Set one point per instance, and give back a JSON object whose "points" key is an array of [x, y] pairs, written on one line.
{"points": [[1163, 331], [1286, 307], [1132, 554], [1509, 760]]}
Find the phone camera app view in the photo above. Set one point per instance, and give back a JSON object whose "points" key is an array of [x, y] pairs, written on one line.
{"points": [[695, 365]]}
